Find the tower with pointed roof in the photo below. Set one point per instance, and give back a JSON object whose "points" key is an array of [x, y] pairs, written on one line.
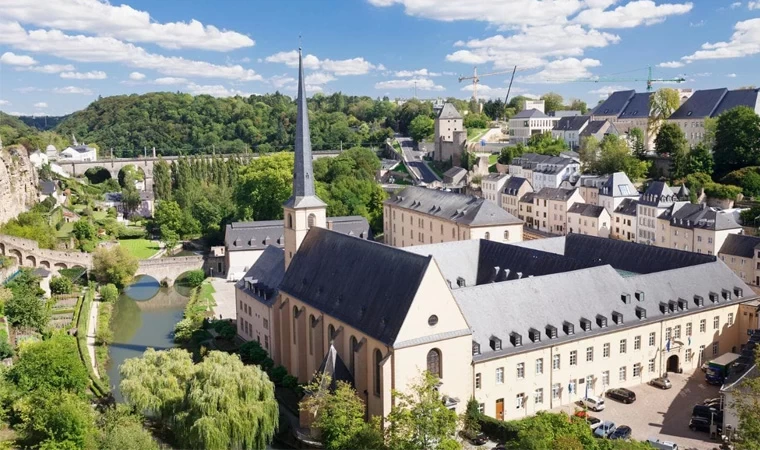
{"points": [[303, 209]]}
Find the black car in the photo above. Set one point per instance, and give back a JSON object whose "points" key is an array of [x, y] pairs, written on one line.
{"points": [[622, 395], [703, 424], [474, 439], [622, 432], [706, 411]]}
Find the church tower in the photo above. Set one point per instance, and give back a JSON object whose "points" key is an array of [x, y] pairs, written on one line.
{"points": [[303, 209]]}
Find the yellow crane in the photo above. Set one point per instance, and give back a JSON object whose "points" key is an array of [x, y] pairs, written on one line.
{"points": [[476, 79]]}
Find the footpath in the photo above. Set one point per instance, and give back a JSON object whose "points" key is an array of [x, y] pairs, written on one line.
{"points": [[92, 326]]}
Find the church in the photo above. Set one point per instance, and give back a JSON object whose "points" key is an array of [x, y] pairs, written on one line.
{"points": [[521, 327]]}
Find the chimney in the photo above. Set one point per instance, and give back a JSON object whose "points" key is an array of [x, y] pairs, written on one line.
{"points": [[519, 275], [330, 225], [496, 270], [506, 274]]}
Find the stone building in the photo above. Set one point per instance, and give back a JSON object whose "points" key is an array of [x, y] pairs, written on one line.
{"points": [[450, 135]]}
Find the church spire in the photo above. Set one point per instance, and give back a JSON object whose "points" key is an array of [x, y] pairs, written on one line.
{"points": [[303, 174]]}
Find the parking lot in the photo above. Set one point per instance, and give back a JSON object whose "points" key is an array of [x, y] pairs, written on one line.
{"points": [[663, 414]]}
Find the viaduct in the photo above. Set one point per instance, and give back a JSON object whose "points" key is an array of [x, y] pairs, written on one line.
{"points": [[28, 254], [114, 165]]}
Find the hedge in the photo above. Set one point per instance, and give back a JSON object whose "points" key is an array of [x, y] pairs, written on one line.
{"points": [[498, 430]]}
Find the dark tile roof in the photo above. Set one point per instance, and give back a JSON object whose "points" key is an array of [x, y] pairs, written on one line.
{"points": [[689, 215], [367, 285], [683, 192], [529, 114], [82, 148], [528, 197], [658, 194], [571, 123], [618, 185], [460, 208], [449, 111], [239, 236], [263, 279], [47, 187], [738, 97], [586, 209], [335, 368], [560, 194], [740, 245], [630, 256], [637, 107], [595, 126], [615, 103], [627, 207], [514, 184], [702, 103]]}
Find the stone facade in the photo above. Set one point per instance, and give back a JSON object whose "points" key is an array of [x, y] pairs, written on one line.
{"points": [[18, 182]]}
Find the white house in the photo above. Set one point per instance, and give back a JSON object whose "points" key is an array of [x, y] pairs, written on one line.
{"points": [[145, 209], [528, 122], [569, 129], [544, 170], [79, 153], [492, 186], [38, 159]]}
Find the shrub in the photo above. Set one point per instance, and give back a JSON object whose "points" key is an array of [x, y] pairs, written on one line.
{"points": [[498, 430], [290, 382], [104, 335], [6, 350], [109, 292], [61, 285], [227, 331], [184, 329], [195, 278], [252, 353], [277, 375], [722, 191], [130, 233]]}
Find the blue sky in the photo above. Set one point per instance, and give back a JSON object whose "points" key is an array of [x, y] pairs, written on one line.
{"points": [[57, 57]]}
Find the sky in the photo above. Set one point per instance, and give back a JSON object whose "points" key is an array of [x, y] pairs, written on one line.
{"points": [[58, 56]]}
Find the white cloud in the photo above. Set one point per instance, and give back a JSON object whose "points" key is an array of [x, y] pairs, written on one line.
{"points": [[703, 74], [283, 81], [13, 59], [41, 105], [136, 76], [108, 49], [313, 88], [671, 64], [562, 70], [632, 14], [486, 91], [735, 5], [753, 5], [423, 84], [52, 68], [416, 73], [353, 66], [123, 22], [744, 42], [701, 23], [4, 102], [290, 59], [165, 81], [27, 89], [731, 75], [605, 91], [72, 90], [216, 90], [318, 78], [94, 75]]}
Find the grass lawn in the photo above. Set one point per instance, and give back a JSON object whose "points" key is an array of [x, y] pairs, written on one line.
{"points": [[492, 159], [206, 296], [472, 133], [99, 215], [396, 146], [66, 229], [140, 248]]}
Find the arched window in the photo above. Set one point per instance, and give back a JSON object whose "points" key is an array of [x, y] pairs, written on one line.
{"points": [[488, 236], [290, 220], [295, 323], [312, 320], [434, 362], [378, 359], [506, 235], [331, 333], [312, 220], [352, 354]]}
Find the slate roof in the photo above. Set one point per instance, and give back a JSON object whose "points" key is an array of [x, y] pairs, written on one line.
{"points": [[658, 194], [367, 285], [449, 111], [560, 194], [571, 123], [740, 245], [738, 97], [334, 366], [47, 187], [514, 184], [637, 107], [82, 148], [529, 114], [117, 196], [595, 126], [618, 185], [701, 104], [615, 103], [528, 197], [241, 236], [459, 208], [689, 215], [683, 192], [263, 279], [586, 210], [627, 207]]}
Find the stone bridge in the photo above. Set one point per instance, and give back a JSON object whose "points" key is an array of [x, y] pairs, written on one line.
{"points": [[29, 254], [169, 268], [114, 165]]}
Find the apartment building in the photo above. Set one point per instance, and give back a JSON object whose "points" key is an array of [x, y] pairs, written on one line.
{"points": [[598, 129], [492, 186], [569, 129], [544, 170], [615, 189], [514, 190], [550, 206], [696, 228], [525, 210], [590, 220], [655, 200], [741, 253], [417, 216], [588, 186], [528, 122], [624, 220]]}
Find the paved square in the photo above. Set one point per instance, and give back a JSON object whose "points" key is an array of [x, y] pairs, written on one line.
{"points": [[663, 414], [224, 298]]}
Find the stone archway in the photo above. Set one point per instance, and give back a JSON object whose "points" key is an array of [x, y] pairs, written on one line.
{"points": [[2, 249], [45, 264], [30, 260], [61, 266], [16, 254], [673, 364]]}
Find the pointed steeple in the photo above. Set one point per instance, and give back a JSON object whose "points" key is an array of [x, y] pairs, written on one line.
{"points": [[303, 174]]}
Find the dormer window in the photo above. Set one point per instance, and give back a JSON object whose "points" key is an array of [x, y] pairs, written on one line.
{"points": [[738, 292], [475, 348], [617, 317], [672, 305], [683, 305], [601, 321], [515, 339], [495, 343], [714, 297], [641, 313], [626, 298], [663, 307], [726, 294], [551, 331], [640, 296], [534, 335], [568, 328], [699, 300], [585, 324], [461, 282]]}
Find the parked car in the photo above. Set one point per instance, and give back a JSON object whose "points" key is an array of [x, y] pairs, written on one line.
{"points": [[605, 429], [703, 424], [662, 445], [622, 432], [706, 411], [593, 422], [593, 403], [710, 401], [661, 382], [474, 439], [715, 380], [622, 395]]}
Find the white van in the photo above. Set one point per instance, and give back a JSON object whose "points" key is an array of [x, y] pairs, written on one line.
{"points": [[662, 445], [594, 403]]}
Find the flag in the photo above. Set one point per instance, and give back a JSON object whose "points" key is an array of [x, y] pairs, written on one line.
{"points": [[689, 340], [667, 345]]}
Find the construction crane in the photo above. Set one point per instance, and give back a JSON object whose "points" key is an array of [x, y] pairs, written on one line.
{"points": [[476, 79], [649, 80]]}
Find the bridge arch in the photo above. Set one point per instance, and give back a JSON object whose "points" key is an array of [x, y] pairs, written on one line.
{"points": [[61, 265], [137, 171], [2, 249], [45, 264], [16, 254], [31, 260], [98, 174]]}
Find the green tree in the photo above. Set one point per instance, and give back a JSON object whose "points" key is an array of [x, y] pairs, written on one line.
{"points": [[747, 407], [737, 140], [421, 128], [670, 140], [162, 180], [546, 430], [122, 430], [494, 109], [507, 154], [61, 285], [50, 366], [552, 102], [26, 308], [114, 265], [57, 420], [471, 418], [130, 199], [475, 120], [545, 144], [614, 155], [109, 293], [589, 153], [636, 137], [661, 105], [701, 159], [263, 186], [578, 105], [195, 278], [84, 230], [418, 418], [31, 225]]}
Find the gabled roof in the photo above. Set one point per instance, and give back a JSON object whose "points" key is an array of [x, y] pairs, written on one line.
{"points": [[637, 107], [367, 285], [455, 172], [560, 194], [701, 104], [529, 114], [460, 208], [586, 209], [262, 281], [449, 111], [595, 126], [571, 123], [528, 197], [241, 236], [618, 185], [335, 368], [615, 103], [689, 215], [658, 194], [627, 207], [738, 97], [47, 187], [740, 245], [514, 184]]}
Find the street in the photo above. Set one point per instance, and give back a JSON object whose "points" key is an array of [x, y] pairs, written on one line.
{"points": [[413, 160]]}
